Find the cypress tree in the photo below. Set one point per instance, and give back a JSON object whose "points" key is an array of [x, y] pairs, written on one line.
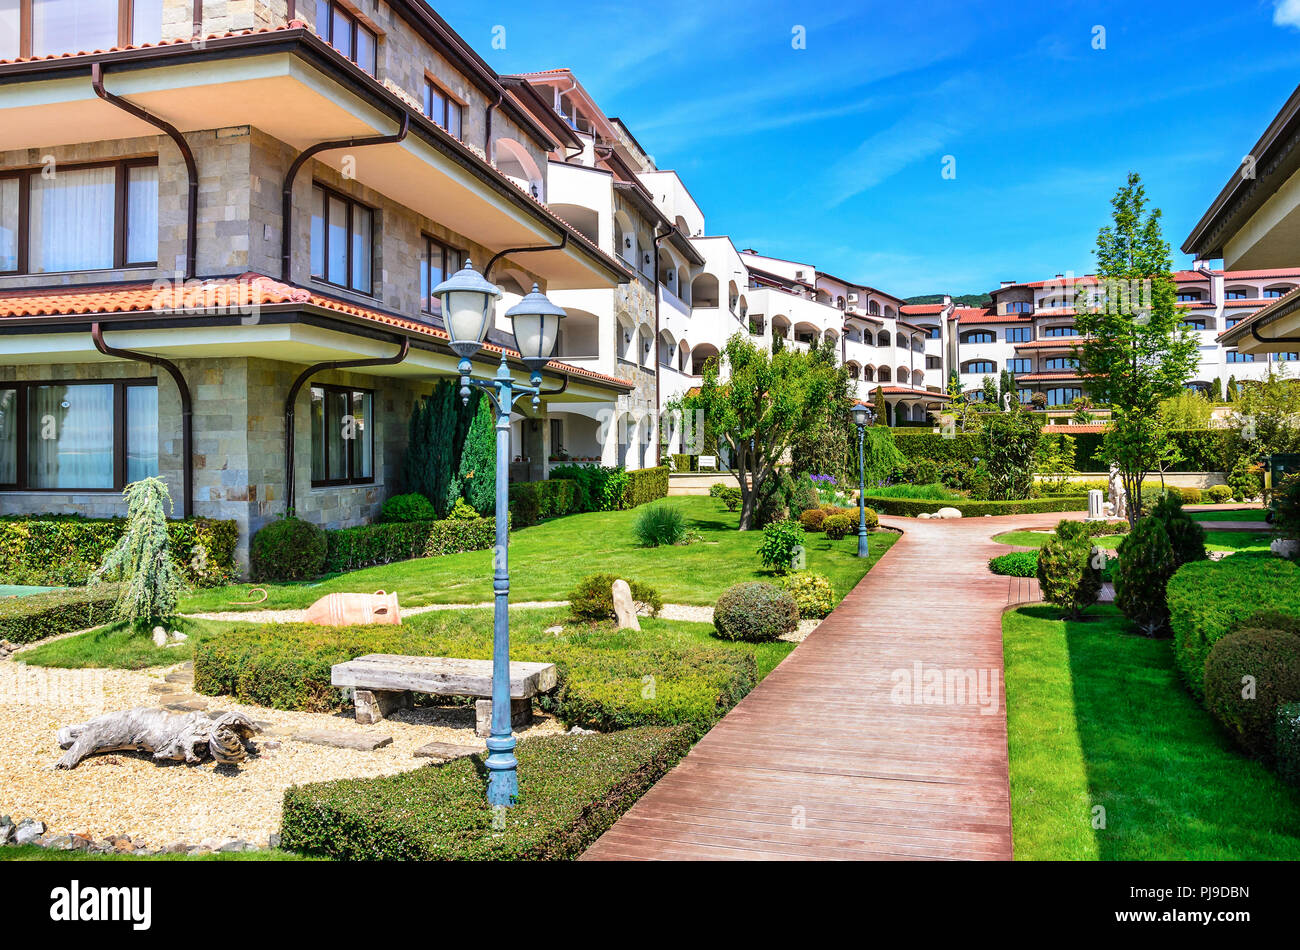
{"points": [[478, 460], [437, 431]]}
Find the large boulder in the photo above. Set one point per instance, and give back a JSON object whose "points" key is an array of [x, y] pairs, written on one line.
{"points": [[625, 606], [947, 513]]}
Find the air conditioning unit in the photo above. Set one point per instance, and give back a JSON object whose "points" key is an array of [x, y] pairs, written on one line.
{"points": [[852, 298]]}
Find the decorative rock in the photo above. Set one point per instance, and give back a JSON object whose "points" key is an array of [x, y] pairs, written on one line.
{"points": [[625, 606], [555, 629], [231, 846], [28, 831], [344, 740], [947, 513], [180, 847], [182, 677], [192, 704], [159, 637], [1285, 547], [178, 637], [444, 751], [579, 731], [925, 516]]}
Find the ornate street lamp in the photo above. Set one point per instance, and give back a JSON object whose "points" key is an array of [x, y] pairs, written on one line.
{"points": [[469, 310], [862, 416]]}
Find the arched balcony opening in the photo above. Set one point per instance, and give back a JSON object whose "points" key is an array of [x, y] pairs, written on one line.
{"points": [[579, 336], [625, 344], [883, 375], [683, 357], [882, 339], [645, 348], [700, 356], [868, 374], [733, 296], [513, 161], [667, 349], [585, 220], [704, 291]]}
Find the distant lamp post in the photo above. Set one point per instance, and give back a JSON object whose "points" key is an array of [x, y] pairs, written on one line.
{"points": [[862, 416], [469, 311]]}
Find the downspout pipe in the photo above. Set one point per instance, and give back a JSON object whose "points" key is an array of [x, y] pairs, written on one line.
{"points": [[286, 191], [191, 167], [404, 347], [487, 128], [187, 407], [658, 237]]}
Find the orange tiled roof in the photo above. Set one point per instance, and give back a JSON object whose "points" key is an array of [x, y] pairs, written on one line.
{"points": [[1047, 377], [222, 294], [1060, 343], [986, 315], [292, 25], [1077, 430], [922, 309]]}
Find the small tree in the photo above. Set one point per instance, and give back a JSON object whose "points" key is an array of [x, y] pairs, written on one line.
{"points": [[880, 407], [767, 398], [478, 462], [1146, 562], [1067, 576], [1135, 353], [1012, 444], [881, 456], [142, 559]]}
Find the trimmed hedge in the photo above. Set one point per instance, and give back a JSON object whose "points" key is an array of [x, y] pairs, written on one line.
{"points": [[911, 507], [349, 549], [1286, 744], [531, 502], [1015, 564], [287, 666], [32, 618], [64, 550], [1207, 599], [1272, 659], [571, 789], [645, 485]]}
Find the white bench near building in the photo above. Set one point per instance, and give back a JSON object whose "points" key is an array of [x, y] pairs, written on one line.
{"points": [[384, 682]]}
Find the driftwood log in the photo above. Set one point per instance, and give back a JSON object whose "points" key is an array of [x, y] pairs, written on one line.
{"points": [[169, 736]]}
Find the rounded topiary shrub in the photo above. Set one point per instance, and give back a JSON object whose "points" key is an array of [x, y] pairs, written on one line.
{"points": [[838, 526], [593, 599], [812, 594], [1219, 494], [1146, 562], [1286, 743], [755, 613], [406, 508], [812, 519], [1186, 536], [287, 550], [1248, 675]]}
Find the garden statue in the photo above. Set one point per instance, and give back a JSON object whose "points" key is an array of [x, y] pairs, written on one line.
{"points": [[1118, 498], [169, 736]]}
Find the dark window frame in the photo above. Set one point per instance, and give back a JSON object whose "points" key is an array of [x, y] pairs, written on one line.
{"points": [[978, 336], [1014, 365], [1060, 363], [352, 204], [448, 101], [431, 242], [120, 431], [1018, 334], [970, 365], [326, 32], [27, 23], [121, 220], [350, 479]]}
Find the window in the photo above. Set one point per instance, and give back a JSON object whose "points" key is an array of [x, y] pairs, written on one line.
{"points": [[342, 440], [441, 108], [978, 336], [1019, 306], [933, 362], [1236, 294], [1060, 331], [932, 333], [1231, 322], [1060, 362], [1193, 324], [1026, 396], [1020, 366], [980, 366], [1286, 357], [57, 27], [1277, 291], [1063, 396], [342, 240], [87, 217], [1235, 356], [439, 263], [1189, 296], [557, 436], [1018, 334], [75, 436], [337, 25]]}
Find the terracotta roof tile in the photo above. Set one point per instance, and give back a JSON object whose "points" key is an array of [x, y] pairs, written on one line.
{"points": [[986, 315], [1077, 430], [222, 294], [292, 25]]}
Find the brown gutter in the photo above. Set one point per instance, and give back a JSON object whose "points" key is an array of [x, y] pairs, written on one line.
{"points": [[286, 192], [487, 123], [289, 487], [658, 237], [187, 407], [191, 168]]}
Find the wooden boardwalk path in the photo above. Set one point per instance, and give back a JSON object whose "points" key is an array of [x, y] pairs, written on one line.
{"points": [[833, 756]]}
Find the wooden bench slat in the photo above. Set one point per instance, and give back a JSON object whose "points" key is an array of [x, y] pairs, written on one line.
{"points": [[440, 676]]}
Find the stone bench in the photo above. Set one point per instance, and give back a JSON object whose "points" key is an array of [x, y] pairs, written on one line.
{"points": [[383, 682]]}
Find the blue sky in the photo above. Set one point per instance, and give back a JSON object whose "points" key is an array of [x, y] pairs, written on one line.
{"points": [[833, 154]]}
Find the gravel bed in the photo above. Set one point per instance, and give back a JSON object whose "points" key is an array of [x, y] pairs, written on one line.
{"points": [[162, 804]]}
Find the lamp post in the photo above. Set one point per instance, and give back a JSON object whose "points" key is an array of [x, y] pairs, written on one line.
{"points": [[862, 418], [468, 310]]}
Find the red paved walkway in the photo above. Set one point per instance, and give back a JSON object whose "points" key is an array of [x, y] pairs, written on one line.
{"points": [[820, 761]]}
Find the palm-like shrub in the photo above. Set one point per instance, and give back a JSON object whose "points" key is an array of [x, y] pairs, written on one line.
{"points": [[1067, 576], [142, 560], [1146, 562], [755, 613], [1249, 674], [660, 524]]}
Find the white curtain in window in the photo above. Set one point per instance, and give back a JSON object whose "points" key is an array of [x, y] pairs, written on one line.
{"points": [[141, 432], [9, 39], [73, 26], [361, 231], [9, 223], [8, 436], [146, 22], [71, 218], [363, 437], [142, 214], [70, 437]]}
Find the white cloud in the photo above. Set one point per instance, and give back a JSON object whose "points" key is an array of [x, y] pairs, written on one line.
{"points": [[1287, 13]]}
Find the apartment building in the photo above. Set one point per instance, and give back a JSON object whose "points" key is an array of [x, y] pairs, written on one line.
{"points": [[1029, 331], [220, 222]]}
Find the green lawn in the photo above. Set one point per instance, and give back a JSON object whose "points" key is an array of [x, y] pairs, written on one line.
{"points": [[113, 646], [547, 561], [1098, 717], [1214, 540], [1244, 514]]}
